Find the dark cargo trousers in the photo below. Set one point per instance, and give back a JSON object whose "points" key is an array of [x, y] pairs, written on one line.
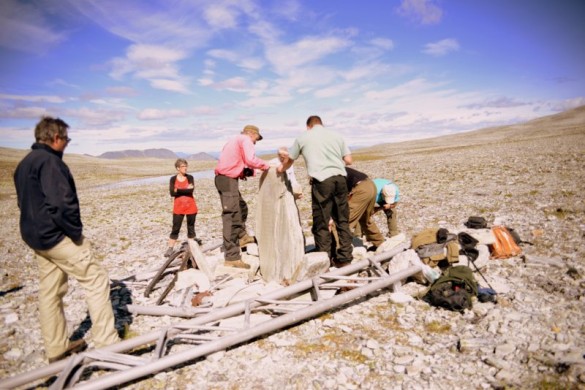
{"points": [[329, 200], [234, 212]]}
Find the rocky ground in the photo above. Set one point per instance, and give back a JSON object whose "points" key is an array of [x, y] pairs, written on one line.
{"points": [[529, 176]]}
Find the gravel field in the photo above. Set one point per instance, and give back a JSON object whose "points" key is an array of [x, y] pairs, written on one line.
{"points": [[531, 176]]}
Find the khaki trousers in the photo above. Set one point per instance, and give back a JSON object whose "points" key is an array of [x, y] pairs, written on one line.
{"points": [[392, 222], [361, 209], [56, 265]]}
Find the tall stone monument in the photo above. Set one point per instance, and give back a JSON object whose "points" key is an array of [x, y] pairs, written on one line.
{"points": [[278, 231]]}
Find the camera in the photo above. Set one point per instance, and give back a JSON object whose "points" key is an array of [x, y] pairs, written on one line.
{"points": [[248, 172]]}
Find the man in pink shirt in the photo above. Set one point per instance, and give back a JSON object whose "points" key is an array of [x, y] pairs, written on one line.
{"points": [[237, 155]]}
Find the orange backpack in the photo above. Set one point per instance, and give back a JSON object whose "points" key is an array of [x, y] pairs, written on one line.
{"points": [[504, 246]]}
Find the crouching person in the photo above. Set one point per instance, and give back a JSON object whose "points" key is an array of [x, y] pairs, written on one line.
{"points": [[388, 196]]}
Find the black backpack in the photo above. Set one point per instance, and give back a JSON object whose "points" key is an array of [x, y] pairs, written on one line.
{"points": [[475, 222], [453, 290]]}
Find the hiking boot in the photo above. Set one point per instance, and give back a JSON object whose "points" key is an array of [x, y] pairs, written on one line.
{"points": [[74, 347], [341, 264], [247, 240], [169, 251], [237, 264]]}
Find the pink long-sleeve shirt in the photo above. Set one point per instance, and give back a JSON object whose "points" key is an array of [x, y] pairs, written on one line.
{"points": [[237, 154]]}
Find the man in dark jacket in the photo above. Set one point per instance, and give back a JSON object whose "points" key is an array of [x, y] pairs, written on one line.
{"points": [[50, 224]]}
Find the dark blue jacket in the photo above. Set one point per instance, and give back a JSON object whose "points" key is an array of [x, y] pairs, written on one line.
{"points": [[47, 198]]}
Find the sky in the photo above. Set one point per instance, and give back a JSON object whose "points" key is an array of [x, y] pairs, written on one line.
{"points": [[188, 74]]}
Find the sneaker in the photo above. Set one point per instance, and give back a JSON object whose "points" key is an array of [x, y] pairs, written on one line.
{"points": [[169, 251], [74, 347], [237, 264], [247, 240]]}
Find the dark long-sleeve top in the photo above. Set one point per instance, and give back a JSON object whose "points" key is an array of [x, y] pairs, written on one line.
{"points": [[181, 191], [354, 177], [184, 202], [47, 198]]}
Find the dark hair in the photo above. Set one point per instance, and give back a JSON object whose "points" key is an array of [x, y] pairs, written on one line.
{"points": [[48, 127], [314, 120]]}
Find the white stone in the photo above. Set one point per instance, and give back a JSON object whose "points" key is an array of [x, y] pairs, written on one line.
{"points": [[312, 264], [372, 344], [10, 318], [278, 228], [400, 297]]}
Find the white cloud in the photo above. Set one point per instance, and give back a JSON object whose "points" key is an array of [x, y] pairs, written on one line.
{"points": [[442, 47], [410, 88], [122, 91], [154, 114], [23, 27], [154, 63], [288, 9], [285, 58], [96, 117], [252, 63], [34, 98], [371, 70], [498, 102], [334, 90], [237, 84], [31, 112], [220, 17], [383, 43], [206, 110], [241, 60], [265, 101], [308, 77], [223, 54], [169, 85], [177, 24], [205, 82], [63, 83], [264, 30], [420, 11]]}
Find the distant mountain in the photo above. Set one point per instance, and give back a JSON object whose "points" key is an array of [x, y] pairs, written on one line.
{"points": [[201, 156], [156, 153], [152, 153]]}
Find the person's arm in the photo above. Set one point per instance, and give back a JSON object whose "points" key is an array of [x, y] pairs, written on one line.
{"points": [[184, 192], [249, 156], [287, 162], [172, 186], [61, 198], [389, 193], [347, 159]]}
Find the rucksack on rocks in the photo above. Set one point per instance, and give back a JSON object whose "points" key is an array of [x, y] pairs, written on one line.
{"points": [[505, 246], [454, 290], [436, 245]]}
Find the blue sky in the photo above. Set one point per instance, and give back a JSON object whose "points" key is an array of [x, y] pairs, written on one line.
{"points": [[187, 74]]}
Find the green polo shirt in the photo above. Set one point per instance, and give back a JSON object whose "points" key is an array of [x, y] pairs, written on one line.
{"points": [[323, 151]]}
